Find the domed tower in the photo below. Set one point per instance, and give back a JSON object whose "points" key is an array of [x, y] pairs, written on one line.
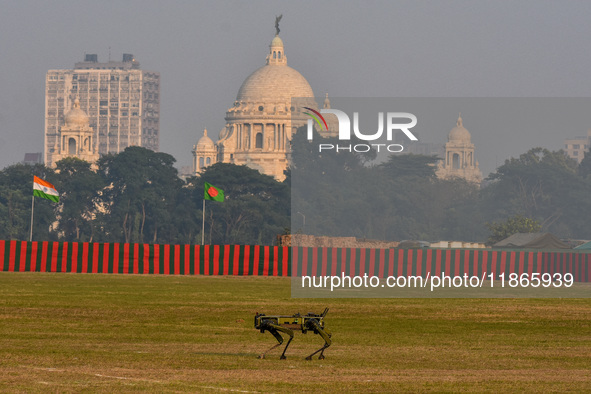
{"points": [[459, 156], [331, 120], [262, 120], [76, 137], [204, 153]]}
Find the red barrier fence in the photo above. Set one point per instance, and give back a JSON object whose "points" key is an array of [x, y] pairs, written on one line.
{"points": [[452, 262], [83, 257], [115, 258]]}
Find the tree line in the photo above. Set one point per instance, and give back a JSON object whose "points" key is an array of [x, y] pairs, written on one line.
{"points": [[401, 198], [137, 196]]}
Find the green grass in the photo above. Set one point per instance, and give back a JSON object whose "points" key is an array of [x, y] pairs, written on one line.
{"points": [[106, 333]]}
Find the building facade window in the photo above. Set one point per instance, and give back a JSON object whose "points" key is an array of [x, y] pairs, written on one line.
{"points": [[455, 161], [71, 146]]}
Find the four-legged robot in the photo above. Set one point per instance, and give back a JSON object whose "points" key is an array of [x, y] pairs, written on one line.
{"points": [[287, 324]]}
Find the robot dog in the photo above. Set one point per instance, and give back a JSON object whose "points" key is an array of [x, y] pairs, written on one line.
{"points": [[287, 324]]}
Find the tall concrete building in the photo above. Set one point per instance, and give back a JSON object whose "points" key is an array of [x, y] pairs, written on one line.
{"points": [[122, 103]]}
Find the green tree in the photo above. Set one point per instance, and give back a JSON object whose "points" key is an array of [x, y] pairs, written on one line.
{"points": [[544, 186], [305, 155], [256, 208], [342, 194], [141, 192], [187, 213], [16, 192], [321, 187], [410, 165], [79, 187], [512, 225], [584, 168]]}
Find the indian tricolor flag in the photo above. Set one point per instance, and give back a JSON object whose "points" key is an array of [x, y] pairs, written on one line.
{"points": [[44, 189]]}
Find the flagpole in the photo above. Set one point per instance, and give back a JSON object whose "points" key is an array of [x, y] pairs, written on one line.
{"points": [[203, 225], [32, 210]]}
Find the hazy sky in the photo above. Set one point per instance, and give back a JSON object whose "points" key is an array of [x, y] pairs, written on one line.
{"points": [[205, 49]]}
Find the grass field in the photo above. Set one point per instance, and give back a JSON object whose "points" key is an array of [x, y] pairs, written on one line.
{"points": [[106, 333]]}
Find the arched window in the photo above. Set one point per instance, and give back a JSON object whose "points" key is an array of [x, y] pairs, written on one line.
{"points": [[259, 141], [456, 161], [201, 162], [274, 55], [279, 55], [71, 146], [208, 161]]}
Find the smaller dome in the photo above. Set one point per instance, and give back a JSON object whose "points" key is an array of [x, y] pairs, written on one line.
{"points": [[459, 133], [277, 42], [75, 116], [205, 143]]}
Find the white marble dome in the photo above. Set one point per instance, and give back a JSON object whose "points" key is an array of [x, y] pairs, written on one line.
{"points": [[459, 133], [75, 116], [205, 143], [274, 82], [277, 42]]}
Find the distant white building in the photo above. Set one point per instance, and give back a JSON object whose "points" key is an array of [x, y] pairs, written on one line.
{"points": [[261, 122], [75, 137], [459, 161]]}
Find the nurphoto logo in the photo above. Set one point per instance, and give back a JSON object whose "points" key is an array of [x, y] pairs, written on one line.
{"points": [[395, 121]]}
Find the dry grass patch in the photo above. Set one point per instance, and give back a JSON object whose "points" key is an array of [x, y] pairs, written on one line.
{"points": [[105, 333]]}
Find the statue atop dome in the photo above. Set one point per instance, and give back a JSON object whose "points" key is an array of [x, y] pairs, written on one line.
{"points": [[277, 20]]}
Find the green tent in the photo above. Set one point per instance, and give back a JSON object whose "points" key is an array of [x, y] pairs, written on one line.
{"points": [[585, 246], [532, 241]]}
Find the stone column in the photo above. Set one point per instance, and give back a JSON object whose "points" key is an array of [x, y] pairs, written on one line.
{"points": [[238, 136]]}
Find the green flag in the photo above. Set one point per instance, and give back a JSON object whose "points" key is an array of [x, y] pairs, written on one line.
{"points": [[213, 193]]}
